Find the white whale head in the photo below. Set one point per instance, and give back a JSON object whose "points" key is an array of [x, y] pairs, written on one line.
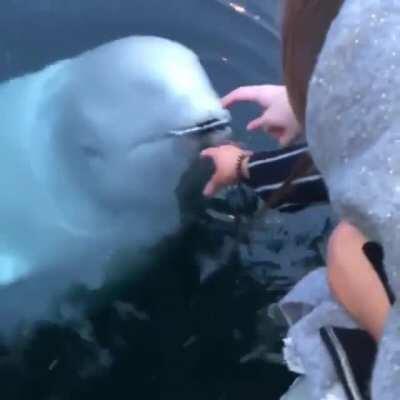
{"points": [[133, 114], [93, 149]]}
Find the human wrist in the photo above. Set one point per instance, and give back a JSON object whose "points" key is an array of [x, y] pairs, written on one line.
{"points": [[243, 166]]}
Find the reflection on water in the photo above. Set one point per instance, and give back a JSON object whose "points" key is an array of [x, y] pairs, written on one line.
{"points": [[238, 8], [256, 11], [190, 327]]}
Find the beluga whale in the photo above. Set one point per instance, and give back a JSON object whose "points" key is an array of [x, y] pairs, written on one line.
{"points": [[92, 150]]}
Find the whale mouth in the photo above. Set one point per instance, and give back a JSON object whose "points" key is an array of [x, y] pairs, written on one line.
{"points": [[204, 128]]}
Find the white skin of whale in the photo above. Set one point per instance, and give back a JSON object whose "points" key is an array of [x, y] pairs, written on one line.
{"points": [[353, 128], [87, 167]]}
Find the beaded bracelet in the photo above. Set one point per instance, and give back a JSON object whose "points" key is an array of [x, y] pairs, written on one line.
{"points": [[239, 162]]}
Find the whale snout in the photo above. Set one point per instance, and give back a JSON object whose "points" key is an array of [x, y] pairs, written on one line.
{"points": [[129, 128], [210, 132]]}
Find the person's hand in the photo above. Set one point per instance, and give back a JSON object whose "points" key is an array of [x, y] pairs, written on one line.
{"points": [[225, 159], [278, 118]]}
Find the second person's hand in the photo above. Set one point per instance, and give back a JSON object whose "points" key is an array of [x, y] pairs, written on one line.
{"points": [[230, 163], [277, 118]]}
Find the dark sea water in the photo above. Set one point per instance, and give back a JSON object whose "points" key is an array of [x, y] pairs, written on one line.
{"points": [[194, 325]]}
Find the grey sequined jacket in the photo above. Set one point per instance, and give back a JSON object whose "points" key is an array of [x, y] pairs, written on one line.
{"points": [[353, 128]]}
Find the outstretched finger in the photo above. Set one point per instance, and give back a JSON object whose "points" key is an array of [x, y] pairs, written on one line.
{"points": [[209, 152], [246, 93], [258, 123]]}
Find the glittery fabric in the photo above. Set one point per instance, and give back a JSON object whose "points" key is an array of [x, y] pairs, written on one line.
{"points": [[308, 307], [353, 124]]}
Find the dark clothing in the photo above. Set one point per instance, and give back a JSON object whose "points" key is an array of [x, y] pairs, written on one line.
{"points": [[269, 170]]}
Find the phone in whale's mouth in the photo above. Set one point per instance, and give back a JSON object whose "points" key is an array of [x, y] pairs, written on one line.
{"points": [[219, 129], [205, 128]]}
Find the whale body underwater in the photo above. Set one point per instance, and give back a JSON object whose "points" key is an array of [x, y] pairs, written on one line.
{"points": [[92, 150]]}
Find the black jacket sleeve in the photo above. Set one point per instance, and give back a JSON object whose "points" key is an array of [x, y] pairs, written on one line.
{"points": [[269, 170]]}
